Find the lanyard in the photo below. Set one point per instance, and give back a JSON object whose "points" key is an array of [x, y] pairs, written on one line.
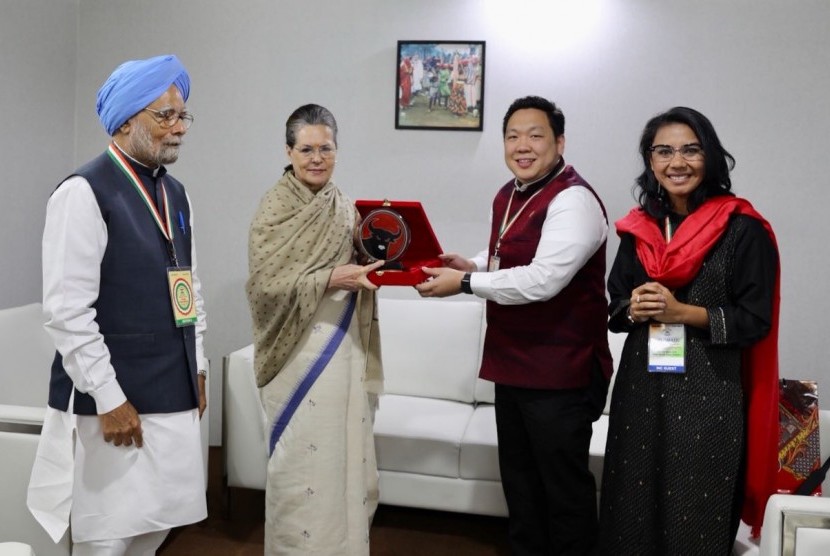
{"points": [[667, 229], [505, 223], [166, 224]]}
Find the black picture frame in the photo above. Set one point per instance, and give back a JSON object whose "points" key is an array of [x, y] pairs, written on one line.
{"points": [[440, 85]]}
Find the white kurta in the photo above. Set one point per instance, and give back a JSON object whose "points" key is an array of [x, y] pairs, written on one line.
{"points": [[115, 492], [322, 484], [112, 491]]}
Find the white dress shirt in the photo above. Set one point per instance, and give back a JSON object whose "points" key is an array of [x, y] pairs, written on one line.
{"points": [[574, 229]]}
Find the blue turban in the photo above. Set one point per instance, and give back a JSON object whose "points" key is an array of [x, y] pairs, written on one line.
{"points": [[136, 84]]}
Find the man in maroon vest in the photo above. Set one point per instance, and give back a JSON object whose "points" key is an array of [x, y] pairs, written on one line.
{"points": [[546, 346]]}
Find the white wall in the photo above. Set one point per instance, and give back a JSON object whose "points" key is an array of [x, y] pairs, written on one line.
{"points": [[37, 131], [760, 69]]}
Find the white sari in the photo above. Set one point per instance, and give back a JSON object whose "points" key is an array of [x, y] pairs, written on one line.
{"points": [[322, 487], [317, 363]]}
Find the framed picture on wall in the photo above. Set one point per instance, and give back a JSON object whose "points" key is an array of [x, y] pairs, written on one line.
{"points": [[440, 85]]}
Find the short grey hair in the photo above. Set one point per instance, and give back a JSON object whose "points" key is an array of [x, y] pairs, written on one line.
{"points": [[308, 114]]}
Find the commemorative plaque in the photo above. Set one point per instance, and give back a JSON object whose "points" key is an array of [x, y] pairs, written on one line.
{"points": [[384, 236], [399, 233]]}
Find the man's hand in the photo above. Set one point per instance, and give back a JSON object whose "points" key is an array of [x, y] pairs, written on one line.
{"points": [[202, 396], [122, 425], [441, 282], [453, 260]]}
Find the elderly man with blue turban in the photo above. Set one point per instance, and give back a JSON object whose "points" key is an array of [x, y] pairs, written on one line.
{"points": [[121, 443]]}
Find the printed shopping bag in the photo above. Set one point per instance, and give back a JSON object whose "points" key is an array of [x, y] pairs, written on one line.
{"points": [[799, 455]]}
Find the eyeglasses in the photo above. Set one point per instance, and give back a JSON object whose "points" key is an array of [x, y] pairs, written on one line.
{"points": [[169, 118], [665, 153], [326, 152]]}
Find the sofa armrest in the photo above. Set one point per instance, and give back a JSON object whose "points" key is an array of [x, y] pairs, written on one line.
{"points": [[16, 523], [15, 549], [22, 414], [797, 525], [246, 453]]}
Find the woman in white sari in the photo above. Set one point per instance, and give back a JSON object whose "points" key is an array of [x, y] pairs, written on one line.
{"points": [[317, 355]]}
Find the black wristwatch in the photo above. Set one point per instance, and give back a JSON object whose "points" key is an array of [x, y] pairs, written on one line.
{"points": [[465, 283]]}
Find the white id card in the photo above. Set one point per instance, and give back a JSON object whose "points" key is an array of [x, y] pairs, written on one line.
{"points": [[180, 281], [666, 348]]}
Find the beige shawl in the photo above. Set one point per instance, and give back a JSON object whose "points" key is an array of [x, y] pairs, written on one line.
{"points": [[296, 239]]}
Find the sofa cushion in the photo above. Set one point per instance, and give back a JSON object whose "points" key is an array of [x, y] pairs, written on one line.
{"points": [[442, 493], [431, 348], [479, 447], [420, 435], [485, 391]]}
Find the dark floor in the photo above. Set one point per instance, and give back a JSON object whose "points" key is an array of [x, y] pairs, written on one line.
{"points": [[235, 523]]}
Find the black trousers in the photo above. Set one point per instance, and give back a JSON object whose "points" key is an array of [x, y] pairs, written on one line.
{"points": [[544, 436]]}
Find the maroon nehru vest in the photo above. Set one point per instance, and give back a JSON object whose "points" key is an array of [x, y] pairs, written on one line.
{"points": [[551, 344]]}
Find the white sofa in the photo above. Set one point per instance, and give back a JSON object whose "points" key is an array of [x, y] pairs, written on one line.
{"points": [[27, 353], [435, 430]]}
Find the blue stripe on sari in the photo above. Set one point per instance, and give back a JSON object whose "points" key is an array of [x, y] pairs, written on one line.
{"points": [[312, 374]]}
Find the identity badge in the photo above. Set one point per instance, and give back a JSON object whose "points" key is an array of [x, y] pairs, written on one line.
{"points": [[666, 348], [180, 282]]}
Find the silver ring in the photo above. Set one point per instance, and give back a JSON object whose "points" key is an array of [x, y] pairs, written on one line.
{"points": [[638, 299]]}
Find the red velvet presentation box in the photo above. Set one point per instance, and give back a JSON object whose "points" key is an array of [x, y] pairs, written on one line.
{"points": [[402, 231]]}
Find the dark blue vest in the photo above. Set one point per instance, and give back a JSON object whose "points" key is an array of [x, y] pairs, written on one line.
{"points": [[155, 362]]}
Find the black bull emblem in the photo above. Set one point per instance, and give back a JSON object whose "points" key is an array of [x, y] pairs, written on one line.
{"points": [[377, 244]]}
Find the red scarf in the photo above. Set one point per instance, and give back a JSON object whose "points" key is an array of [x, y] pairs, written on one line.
{"points": [[674, 265]]}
